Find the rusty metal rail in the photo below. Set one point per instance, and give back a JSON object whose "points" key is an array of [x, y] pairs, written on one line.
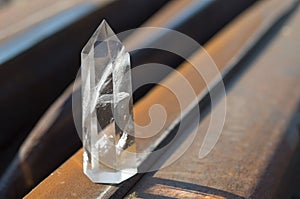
{"points": [[228, 170], [260, 136], [23, 170], [34, 74]]}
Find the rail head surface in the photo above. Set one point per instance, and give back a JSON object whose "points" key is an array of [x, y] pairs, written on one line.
{"points": [[259, 139], [40, 73], [18, 17], [27, 169], [226, 172]]}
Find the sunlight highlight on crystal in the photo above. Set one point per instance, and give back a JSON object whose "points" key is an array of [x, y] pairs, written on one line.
{"points": [[108, 128]]}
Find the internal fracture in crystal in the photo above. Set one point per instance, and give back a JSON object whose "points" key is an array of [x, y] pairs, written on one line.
{"points": [[107, 117]]}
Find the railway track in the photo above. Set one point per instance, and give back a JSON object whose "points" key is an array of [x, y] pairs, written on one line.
{"points": [[258, 144]]}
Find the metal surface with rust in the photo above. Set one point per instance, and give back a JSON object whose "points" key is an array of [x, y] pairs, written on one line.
{"points": [[31, 81], [199, 20], [18, 17], [58, 119], [51, 63], [21, 116], [260, 135], [69, 179]]}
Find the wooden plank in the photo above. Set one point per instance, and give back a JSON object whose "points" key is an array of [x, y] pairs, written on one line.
{"points": [[52, 185]]}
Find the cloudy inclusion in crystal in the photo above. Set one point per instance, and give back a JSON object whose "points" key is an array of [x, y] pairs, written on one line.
{"points": [[108, 129]]}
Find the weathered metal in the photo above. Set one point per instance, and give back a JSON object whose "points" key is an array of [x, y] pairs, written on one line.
{"points": [[18, 17], [35, 77], [58, 119], [260, 136], [24, 114], [199, 20], [26, 92], [251, 26]]}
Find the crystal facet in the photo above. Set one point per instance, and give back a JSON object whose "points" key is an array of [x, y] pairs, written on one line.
{"points": [[108, 128]]}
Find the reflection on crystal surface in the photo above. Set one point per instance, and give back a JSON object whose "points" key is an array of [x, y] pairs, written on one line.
{"points": [[108, 129]]}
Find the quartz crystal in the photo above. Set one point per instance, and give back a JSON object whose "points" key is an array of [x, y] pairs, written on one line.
{"points": [[107, 117]]}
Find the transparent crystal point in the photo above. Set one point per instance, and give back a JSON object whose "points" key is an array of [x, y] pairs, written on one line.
{"points": [[108, 128]]}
